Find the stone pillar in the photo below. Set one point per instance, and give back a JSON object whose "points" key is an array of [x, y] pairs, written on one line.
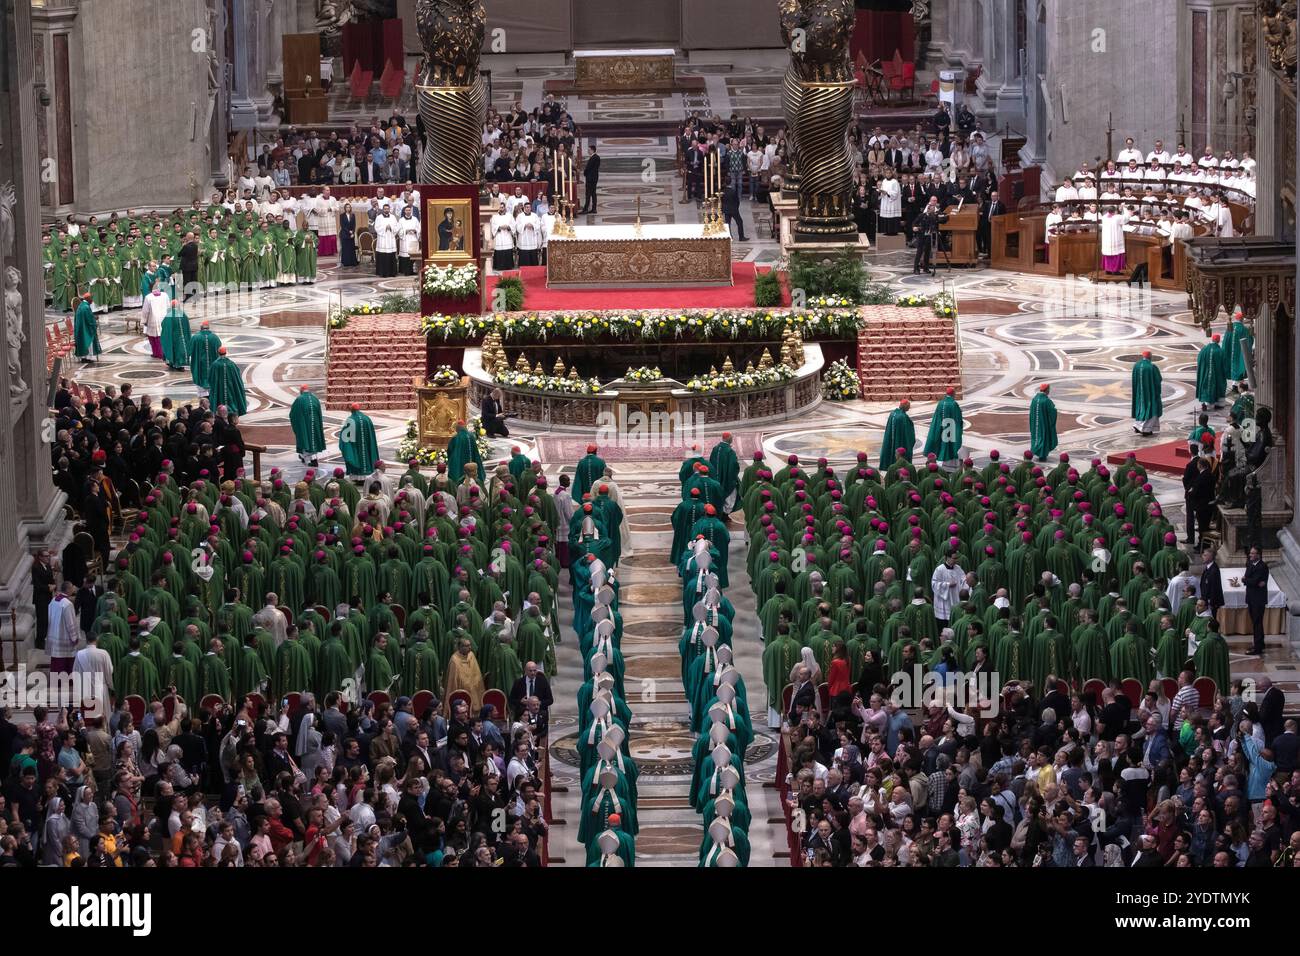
{"points": [[243, 111], [51, 38], [1266, 187], [938, 53], [1272, 476], [32, 507], [1000, 89]]}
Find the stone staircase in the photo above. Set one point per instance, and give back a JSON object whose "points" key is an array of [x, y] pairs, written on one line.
{"points": [[907, 353], [374, 362]]}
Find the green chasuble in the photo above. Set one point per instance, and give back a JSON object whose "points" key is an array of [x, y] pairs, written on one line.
{"points": [[85, 331], [1130, 657], [1091, 653], [136, 675], [724, 468], [214, 677], [944, 438], [308, 424], [358, 445], [588, 473], [1171, 653], [421, 669], [334, 667], [176, 337], [226, 386], [292, 669], [1212, 661], [1148, 401], [462, 449], [899, 433], [1042, 426], [779, 657], [248, 673], [204, 349], [182, 675], [1211, 374], [379, 671], [1234, 354]]}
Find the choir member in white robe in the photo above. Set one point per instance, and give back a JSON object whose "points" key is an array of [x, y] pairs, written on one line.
{"points": [[891, 204], [1223, 219], [408, 242], [1130, 151], [246, 185], [502, 229], [1054, 220], [547, 222], [1159, 154], [290, 206], [1113, 258], [1066, 192], [263, 185], [156, 305], [528, 229], [327, 224], [385, 227]]}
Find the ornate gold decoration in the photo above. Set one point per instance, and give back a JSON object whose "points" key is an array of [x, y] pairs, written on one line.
{"points": [[645, 261], [521, 363], [727, 367], [438, 411], [558, 368], [817, 96], [573, 374], [623, 72], [765, 360], [449, 92], [1278, 22], [539, 370]]}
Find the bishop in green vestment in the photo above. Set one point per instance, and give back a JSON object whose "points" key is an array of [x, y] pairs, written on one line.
{"points": [[308, 426], [900, 436], [1148, 400], [944, 438], [1211, 658], [85, 331], [357, 443], [725, 469], [226, 386], [1211, 374], [136, 675], [204, 350], [462, 449], [1235, 346], [176, 337], [1042, 423]]}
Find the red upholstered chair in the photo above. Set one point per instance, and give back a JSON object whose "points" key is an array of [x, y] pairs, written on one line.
{"points": [[292, 700], [1206, 687], [1094, 687], [135, 706], [457, 695], [824, 697], [421, 701], [1169, 686], [378, 697], [787, 696], [1133, 690], [399, 612], [169, 707], [211, 702], [496, 699]]}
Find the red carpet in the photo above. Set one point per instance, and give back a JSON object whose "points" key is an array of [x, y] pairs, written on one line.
{"points": [[1168, 458], [538, 298]]}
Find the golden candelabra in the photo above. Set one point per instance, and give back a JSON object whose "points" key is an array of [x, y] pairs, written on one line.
{"points": [[711, 214], [636, 230], [563, 205]]}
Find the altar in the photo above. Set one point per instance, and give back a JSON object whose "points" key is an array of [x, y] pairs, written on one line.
{"points": [[656, 255], [614, 71]]}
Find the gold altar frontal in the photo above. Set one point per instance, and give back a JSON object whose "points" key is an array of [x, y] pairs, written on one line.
{"points": [[621, 70], [438, 409], [662, 255]]}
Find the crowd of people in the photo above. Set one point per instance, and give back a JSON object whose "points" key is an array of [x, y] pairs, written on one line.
{"points": [[385, 152], [316, 661], [1049, 577]]}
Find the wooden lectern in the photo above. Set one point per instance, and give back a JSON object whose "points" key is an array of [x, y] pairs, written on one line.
{"points": [[961, 228], [303, 94]]}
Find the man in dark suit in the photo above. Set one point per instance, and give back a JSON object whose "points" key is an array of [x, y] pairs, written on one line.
{"points": [[591, 178], [1190, 471], [913, 201], [990, 209], [1202, 499], [1256, 581], [1211, 582], [533, 683], [1271, 702]]}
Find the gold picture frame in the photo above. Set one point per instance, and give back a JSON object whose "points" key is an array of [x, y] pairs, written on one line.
{"points": [[451, 230]]}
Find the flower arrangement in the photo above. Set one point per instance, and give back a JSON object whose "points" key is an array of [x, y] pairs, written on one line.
{"points": [[822, 302], [944, 305], [651, 326], [840, 382], [444, 375], [643, 374], [451, 282], [409, 447], [912, 301], [390, 303], [737, 381], [547, 383]]}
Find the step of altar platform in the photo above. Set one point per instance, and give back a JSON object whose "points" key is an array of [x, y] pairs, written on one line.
{"points": [[374, 361], [907, 353]]}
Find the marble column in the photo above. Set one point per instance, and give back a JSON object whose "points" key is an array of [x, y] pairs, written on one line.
{"points": [[1272, 476], [1266, 187], [32, 506], [1001, 93], [243, 111]]}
